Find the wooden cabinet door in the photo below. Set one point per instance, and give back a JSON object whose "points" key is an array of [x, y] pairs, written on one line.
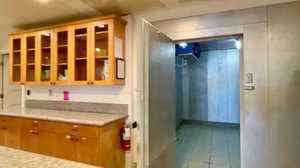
{"points": [[61, 60], [10, 132], [87, 150], [2, 138], [79, 54], [101, 52], [16, 60], [65, 147], [12, 137], [45, 58], [30, 58], [112, 156], [38, 142]]}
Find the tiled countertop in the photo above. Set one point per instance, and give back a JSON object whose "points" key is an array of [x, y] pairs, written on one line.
{"points": [[12, 158], [97, 119]]}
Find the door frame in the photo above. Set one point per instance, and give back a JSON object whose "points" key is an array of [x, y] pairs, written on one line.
{"points": [[142, 112], [6, 83]]}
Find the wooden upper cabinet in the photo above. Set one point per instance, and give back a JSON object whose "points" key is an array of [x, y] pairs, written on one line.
{"points": [[100, 52], [87, 52], [61, 58], [16, 59], [30, 59], [79, 55], [45, 58]]}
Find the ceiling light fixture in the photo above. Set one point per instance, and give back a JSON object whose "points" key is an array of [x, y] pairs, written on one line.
{"points": [[46, 34], [183, 44], [101, 26], [43, 1], [238, 44]]}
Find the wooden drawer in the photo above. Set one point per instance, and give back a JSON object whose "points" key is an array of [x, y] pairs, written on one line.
{"points": [[3, 119], [6, 121], [77, 129], [10, 131], [40, 125]]}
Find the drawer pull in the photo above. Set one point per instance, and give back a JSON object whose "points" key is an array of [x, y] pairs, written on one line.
{"points": [[68, 137], [84, 138], [35, 122], [75, 126], [4, 128], [3, 120]]}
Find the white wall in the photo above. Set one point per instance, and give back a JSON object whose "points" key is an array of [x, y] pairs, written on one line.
{"points": [[96, 94], [284, 85]]}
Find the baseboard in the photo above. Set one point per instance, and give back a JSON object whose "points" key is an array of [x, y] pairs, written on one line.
{"points": [[179, 125], [210, 123]]}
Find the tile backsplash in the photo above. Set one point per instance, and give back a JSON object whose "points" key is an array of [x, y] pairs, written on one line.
{"points": [[78, 106]]}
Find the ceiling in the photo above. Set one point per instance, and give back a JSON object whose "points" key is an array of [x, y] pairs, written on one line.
{"points": [[25, 14]]}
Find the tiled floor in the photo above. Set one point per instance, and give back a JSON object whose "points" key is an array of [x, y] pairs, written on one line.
{"points": [[201, 146]]}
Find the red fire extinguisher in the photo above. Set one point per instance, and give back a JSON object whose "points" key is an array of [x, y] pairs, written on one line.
{"points": [[125, 138]]}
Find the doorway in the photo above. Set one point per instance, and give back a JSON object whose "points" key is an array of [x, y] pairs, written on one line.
{"points": [[11, 95], [208, 103], [158, 105]]}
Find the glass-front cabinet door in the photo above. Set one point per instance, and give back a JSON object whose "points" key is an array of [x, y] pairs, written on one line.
{"points": [[100, 52], [30, 59], [80, 61], [45, 65], [61, 56], [16, 59]]}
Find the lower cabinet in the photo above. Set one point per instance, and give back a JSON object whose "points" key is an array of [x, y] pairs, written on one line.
{"points": [[38, 141], [10, 131], [65, 147], [87, 150], [82, 149], [93, 145]]}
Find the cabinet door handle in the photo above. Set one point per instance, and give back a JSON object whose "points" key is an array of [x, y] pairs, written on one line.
{"points": [[84, 138], [35, 123], [34, 132], [92, 83]]}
